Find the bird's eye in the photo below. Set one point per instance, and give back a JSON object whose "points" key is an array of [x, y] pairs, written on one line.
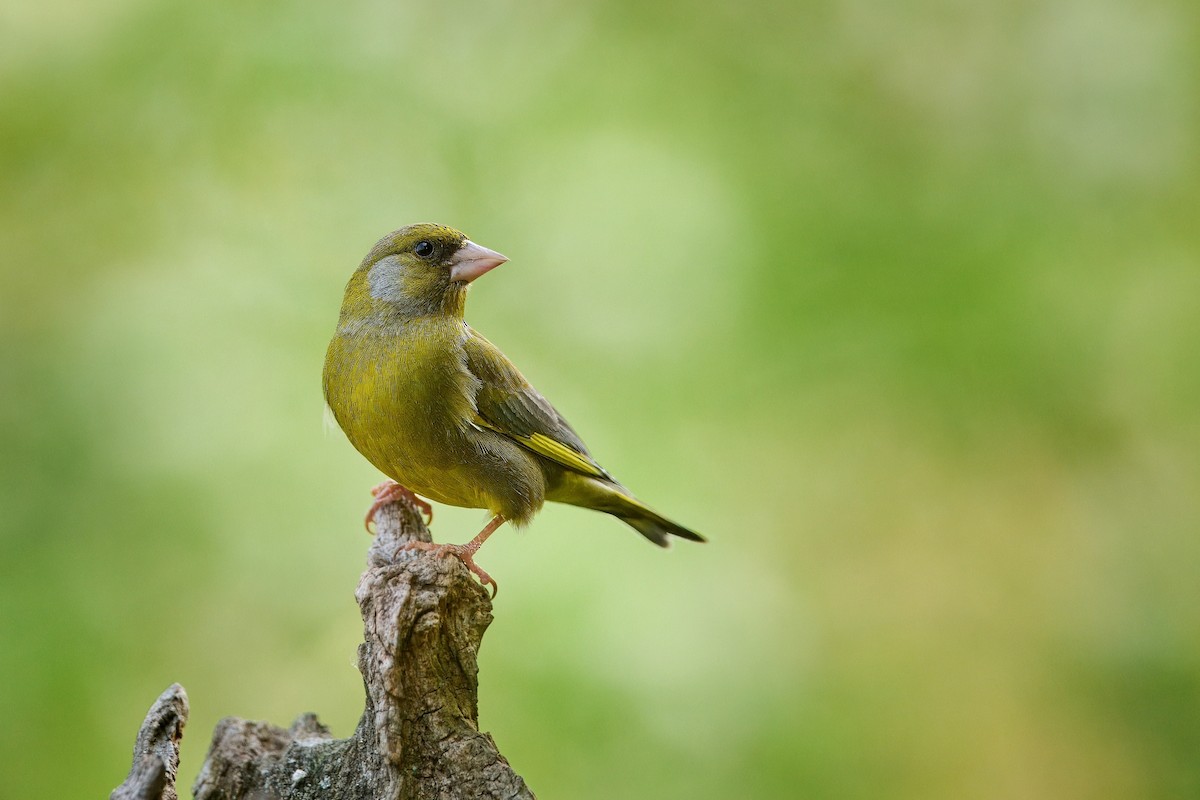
{"points": [[424, 249]]}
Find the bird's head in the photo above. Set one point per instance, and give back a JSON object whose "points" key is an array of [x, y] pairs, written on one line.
{"points": [[419, 270]]}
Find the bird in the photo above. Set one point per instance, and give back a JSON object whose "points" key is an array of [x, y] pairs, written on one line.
{"points": [[442, 412]]}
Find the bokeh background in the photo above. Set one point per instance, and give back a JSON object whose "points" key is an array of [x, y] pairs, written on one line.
{"points": [[899, 303]]}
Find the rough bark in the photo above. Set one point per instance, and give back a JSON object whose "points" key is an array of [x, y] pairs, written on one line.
{"points": [[423, 619], [156, 750]]}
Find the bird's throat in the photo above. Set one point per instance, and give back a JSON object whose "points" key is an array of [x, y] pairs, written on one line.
{"points": [[454, 301]]}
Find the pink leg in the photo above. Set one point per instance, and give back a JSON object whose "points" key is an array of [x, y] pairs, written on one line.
{"points": [[388, 492], [464, 552]]}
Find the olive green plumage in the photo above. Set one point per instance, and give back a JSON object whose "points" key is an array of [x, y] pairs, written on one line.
{"points": [[438, 408]]}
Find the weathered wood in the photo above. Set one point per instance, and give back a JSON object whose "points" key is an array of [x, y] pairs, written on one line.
{"points": [[156, 750], [423, 620]]}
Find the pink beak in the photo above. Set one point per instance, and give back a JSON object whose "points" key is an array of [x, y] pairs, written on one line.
{"points": [[471, 260]]}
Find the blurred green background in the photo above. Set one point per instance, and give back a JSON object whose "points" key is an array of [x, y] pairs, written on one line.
{"points": [[899, 303]]}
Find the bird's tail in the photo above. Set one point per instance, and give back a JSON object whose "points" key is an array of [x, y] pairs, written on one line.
{"points": [[653, 525], [613, 498]]}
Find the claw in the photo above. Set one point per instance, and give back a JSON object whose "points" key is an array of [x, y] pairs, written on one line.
{"points": [[461, 552], [388, 492]]}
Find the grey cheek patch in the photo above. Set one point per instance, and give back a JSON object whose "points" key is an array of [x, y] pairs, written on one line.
{"points": [[383, 279]]}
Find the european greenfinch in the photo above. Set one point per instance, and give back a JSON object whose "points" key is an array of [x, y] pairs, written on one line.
{"points": [[442, 412]]}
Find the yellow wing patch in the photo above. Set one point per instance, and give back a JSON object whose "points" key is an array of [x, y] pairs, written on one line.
{"points": [[554, 450], [564, 455]]}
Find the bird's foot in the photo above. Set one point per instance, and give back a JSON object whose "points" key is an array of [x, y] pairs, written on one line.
{"points": [[388, 492], [463, 552]]}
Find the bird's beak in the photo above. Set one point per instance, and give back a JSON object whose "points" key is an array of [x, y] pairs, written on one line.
{"points": [[471, 260]]}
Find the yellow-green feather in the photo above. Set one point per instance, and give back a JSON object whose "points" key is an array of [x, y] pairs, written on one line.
{"points": [[438, 408]]}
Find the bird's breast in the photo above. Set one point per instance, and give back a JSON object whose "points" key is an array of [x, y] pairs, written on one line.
{"points": [[405, 401]]}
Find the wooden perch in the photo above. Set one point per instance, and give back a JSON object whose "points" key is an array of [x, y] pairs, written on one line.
{"points": [[156, 751], [423, 619]]}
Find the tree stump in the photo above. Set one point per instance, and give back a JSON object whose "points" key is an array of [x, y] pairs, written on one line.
{"points": [[419, 737]]}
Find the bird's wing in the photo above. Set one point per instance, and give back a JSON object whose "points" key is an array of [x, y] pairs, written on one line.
{"points": [[507, 404]]}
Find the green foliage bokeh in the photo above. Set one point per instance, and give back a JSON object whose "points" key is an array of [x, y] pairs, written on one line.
{"points": [[898, 303]]}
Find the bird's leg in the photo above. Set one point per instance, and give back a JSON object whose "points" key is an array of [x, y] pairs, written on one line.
{"points": [[464, 552], [389, 491]]}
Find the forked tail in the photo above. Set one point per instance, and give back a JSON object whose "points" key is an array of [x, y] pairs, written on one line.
{"points": [[654, 526]]}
